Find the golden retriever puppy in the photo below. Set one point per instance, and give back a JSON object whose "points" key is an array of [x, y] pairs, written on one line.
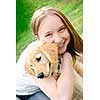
{"points": [[42, 60]]}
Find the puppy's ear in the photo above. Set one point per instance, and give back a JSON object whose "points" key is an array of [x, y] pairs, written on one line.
{"points": [[51, 51], [29, 70]]}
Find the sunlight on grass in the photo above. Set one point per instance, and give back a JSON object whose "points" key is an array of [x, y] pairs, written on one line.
{"points": [[73, 9]]}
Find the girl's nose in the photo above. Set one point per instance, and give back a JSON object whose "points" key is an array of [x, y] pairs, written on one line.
{"points": [[57, 39]]}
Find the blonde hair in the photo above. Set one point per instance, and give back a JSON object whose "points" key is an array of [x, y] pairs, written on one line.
{"points": [[76, 42]]}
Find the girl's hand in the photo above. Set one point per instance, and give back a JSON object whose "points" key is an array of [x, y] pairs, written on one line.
{"points": [[49, 87], [67, 57]]}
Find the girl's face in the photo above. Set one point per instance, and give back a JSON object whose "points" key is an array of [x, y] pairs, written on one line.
{"points": [[53, 30]]}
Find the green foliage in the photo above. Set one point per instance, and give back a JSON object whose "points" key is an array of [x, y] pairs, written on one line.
{"points": [[73, 9]]}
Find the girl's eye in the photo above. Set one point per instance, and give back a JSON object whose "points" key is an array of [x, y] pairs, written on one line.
{"points": [[62, 29], [48, 35]]}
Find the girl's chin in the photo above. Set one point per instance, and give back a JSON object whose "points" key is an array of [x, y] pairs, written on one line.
{"points": [[61, 51]]}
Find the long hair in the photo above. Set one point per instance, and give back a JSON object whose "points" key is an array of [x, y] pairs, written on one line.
{"points": [[75, 45]]}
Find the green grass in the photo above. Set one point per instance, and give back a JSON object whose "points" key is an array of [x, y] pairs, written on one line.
{"points": [[73, 9]]}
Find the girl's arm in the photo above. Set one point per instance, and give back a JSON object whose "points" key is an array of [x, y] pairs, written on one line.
{"points": [[61, 89], [65, 81]]}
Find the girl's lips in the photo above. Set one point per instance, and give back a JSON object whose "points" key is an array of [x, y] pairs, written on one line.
{"points": [[61, 45]]}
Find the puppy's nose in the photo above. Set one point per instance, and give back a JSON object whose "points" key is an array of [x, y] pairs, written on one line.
{"points": [[41, 75]]}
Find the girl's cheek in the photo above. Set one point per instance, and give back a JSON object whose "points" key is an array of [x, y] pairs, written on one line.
{"points": [[48, 40]]}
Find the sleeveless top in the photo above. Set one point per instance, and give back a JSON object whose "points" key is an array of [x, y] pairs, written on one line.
{"points": [[25, 84]]}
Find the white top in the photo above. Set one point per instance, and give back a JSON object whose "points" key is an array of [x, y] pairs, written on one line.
{"points": [[25, 84]]}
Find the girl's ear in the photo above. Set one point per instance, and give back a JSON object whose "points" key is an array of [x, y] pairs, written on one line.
{"points": [[37, 36], [29, 70]]}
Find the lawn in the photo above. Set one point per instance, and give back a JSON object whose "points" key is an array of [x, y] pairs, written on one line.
{"points": [[73, 9]]}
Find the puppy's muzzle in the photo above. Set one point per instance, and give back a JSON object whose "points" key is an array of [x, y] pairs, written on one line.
{"points": [[42, 75]]}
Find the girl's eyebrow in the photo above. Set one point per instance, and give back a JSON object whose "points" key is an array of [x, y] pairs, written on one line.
{"points": [[61, 26]]}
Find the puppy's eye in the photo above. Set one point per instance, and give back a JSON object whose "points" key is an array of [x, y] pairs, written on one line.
{"points": [[38, 59], [31, 65]]}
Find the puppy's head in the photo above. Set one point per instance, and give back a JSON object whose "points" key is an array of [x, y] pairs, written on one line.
{"points": [[42, 59]]}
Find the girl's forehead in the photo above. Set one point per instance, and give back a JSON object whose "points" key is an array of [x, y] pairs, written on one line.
{"points": [[51, 18], [51, 22]]}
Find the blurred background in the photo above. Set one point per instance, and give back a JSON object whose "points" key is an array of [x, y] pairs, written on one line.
{"points": [[73, 9]]}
